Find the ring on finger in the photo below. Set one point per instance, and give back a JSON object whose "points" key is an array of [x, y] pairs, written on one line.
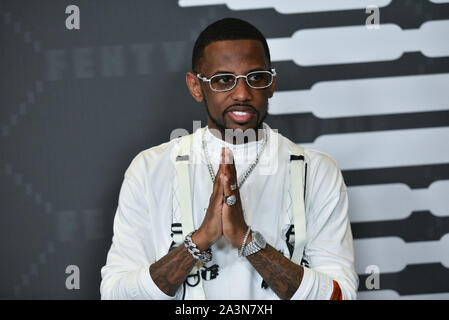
{"points": [[230, 200], [233, 186]]}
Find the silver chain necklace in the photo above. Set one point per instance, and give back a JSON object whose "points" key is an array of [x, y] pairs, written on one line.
{"points": [[248, 171]]}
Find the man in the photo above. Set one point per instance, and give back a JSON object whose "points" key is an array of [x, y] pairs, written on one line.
{"points": [[198, 217]]}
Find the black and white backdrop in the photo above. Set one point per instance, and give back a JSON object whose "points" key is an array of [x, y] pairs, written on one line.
{"points": [[76, 105]]}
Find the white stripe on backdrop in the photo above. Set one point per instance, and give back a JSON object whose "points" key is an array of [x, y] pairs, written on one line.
{"points": [[384, 149], [396, 201], [357, 44], [289, 6], [361, 97], [379, 252]]}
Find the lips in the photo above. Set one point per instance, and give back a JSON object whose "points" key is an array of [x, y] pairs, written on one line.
{"points": [[241, 114]]}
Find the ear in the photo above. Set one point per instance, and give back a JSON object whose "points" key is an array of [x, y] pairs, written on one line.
{"points": [[194, 85], [272, 87]]}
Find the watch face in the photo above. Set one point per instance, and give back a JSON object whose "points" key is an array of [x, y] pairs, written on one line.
{"points": [[259, 239]]}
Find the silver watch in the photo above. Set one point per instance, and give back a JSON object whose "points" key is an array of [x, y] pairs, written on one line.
{"points": [[257, 243]]}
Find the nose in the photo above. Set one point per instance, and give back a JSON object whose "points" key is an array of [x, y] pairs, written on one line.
{"points": [[241, 91]]}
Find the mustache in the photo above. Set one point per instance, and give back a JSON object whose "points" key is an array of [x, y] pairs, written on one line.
{"points": [[241, 105]]}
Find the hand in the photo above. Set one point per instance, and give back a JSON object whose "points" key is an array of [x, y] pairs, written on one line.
{"points": [[211, 228], [234, 225]]}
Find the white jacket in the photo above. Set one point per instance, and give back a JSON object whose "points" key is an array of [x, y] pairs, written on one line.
{"points": [[148, 207]]}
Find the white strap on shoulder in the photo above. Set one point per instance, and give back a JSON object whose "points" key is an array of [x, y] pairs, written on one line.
{"points": [[185, 205], [297, 163], [185, 194]]}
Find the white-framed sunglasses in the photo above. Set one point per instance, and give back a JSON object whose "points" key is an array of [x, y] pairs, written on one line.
{"points": [[227, 81]]}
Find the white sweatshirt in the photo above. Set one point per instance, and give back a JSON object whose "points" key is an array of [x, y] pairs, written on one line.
{"points": [[148, 207]]}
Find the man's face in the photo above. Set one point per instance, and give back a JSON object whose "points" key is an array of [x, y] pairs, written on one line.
{"points": [[242, 107]]}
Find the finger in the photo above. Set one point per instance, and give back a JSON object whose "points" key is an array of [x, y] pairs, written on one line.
{"points": [[220, 191], [224, 181], [232, 166], [228, 180], [217, 181], [224, 158], [226, 185], [229, 167], [222, 165], [228, 156]]}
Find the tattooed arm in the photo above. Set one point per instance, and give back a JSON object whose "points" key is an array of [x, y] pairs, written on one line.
{"points": [[170, 271], [281, 274]]}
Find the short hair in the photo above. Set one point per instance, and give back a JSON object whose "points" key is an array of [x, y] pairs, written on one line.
{"points": [[227, 29]]}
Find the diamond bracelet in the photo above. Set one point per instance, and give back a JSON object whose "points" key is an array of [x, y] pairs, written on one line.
{"points": [[240, 252], [204, 256]]}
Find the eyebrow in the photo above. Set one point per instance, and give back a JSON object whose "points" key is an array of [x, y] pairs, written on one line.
{"points": [[230, 72]]}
